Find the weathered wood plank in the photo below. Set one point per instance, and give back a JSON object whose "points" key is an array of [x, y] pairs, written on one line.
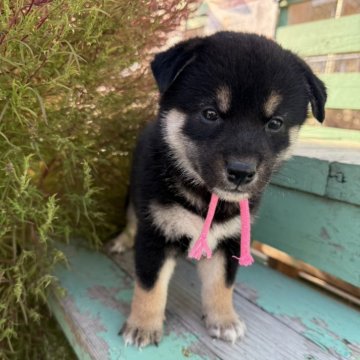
{"points": [[98, 299], [322, 232], [332, 36], [323, 319], [267, 338], [344, 183], [96, 305], [303, 173], [323, 170], [310, 312], [332, 180], [343, 89]]}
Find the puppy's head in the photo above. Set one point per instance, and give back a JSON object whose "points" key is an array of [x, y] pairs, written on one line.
{"points": [[231, 107]]}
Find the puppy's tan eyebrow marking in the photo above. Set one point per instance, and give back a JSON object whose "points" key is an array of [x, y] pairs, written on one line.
{"points": [[272, 103], [223, 97]]}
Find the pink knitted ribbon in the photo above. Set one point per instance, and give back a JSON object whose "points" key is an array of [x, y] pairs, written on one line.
{"points": [[201, 246]]}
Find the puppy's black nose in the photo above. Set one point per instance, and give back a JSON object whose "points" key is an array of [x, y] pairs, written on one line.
{"points": [[240, 173]]}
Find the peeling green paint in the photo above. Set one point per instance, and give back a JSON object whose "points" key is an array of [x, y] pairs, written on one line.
{"points": [[88, 280], [320, 231], [125, 295], [99, 294], [321, 318]]}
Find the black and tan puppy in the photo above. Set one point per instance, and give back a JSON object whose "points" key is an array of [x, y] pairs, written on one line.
{"points": [[231, 106]]}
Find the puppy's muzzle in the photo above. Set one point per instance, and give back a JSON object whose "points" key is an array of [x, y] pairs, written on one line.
{"points": [[240, 173]]}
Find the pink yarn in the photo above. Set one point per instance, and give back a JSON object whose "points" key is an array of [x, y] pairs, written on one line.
{"points": [[201, 246], [245, 256]]}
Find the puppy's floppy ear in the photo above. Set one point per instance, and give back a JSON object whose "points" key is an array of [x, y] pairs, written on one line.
{"points": [[316, 90], [168, 65]]}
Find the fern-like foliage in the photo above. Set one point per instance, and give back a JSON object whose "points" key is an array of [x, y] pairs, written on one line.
{"points": [[74, 90]]}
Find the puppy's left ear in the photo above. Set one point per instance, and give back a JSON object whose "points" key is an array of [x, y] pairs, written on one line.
{"points": [[316, 90], [168, 65]]}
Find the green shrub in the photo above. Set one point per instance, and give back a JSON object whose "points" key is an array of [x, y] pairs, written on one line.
{"points": [[74, 89]]}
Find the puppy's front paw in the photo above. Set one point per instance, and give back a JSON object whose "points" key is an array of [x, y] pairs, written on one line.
{"points": [[227, 329], [140, 337]]}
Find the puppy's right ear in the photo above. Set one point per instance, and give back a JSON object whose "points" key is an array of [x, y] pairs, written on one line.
{"points": [[168, 65]]}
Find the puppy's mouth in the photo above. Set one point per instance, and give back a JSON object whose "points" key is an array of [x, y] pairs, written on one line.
{"points": [[232, 195], [226, 190]]}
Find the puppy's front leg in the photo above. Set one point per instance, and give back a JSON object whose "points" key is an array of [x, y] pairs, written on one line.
{"points": [[153, 273], [217, 276]]}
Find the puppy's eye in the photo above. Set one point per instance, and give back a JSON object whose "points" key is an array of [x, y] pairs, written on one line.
{"points": [[274, 125], [210, 115]]}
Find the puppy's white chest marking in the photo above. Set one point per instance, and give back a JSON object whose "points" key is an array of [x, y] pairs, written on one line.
{"points": [[174, 222]]}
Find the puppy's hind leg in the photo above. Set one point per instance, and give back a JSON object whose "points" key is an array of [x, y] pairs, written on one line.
{"points": [[125, 240]]}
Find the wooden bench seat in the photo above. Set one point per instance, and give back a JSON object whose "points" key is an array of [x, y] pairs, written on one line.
{"points": [[286, 319]]}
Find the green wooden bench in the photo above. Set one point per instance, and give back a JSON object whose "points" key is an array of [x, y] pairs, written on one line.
{"points": [[311, 211]]}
